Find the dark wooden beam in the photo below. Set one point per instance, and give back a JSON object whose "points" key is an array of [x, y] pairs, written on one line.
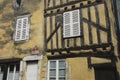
{"points": [[81, 26], [89, 62], [53, 32], [84, 6], [97, 22], [45, 33], [107, 22], [98, 54], [85, 47], [66, 4], [95, 25], [89, 26], [56, 32], [51, 29]]}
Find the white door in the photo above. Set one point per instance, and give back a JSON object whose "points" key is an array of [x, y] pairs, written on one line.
{"points": [[32, 71]]}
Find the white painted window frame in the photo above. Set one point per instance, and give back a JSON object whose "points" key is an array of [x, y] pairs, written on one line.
{"points": [[8, 72], [71, 23], [24, 65], [57, 69], [27, 28]]}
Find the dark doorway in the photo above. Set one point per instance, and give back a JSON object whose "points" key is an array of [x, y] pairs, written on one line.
{"points": [[105, 73]]}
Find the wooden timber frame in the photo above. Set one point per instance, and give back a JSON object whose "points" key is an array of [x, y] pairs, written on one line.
{"points": [[54, 15]]}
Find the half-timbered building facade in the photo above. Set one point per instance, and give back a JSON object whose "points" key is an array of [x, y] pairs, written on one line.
{"points": [[59, 40], [81, 30]]}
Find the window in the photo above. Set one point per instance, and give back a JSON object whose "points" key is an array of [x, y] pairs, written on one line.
{"points": [[22, 28], [56, 70], [71, 24], [9, 72]]}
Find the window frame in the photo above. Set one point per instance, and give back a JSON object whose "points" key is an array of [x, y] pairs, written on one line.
{"points": [[28, 59], [7, 67], [56, 77], [27, 28], [71, 24]]}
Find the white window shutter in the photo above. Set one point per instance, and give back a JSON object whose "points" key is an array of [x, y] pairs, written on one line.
{"points": [[22, 29], [75, 23], [66, 24], [18, 29], [71, 24]]}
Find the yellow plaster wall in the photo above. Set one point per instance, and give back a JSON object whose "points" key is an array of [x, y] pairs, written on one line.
{"points": [[10, 49], [78, 66], [79, 69]]}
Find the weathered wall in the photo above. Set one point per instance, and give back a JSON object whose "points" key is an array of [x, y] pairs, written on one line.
{"points": [[8, 48], [78, 67]]}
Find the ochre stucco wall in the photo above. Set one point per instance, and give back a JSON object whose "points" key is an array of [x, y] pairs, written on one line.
{"points": [[77, 66]]}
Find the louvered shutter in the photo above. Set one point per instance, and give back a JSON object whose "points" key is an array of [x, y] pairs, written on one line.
{"points": [[22, 29], [71, 24], [75, 23], [66, 24]]}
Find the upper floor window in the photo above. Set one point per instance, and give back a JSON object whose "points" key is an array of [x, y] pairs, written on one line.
{"points": [[22, 28], [71, 24], [56, 70]]}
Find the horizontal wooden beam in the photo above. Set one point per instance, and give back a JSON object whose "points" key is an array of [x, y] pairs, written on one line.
{"points": [[85, 47], [63, 5], [62, 11], [99, 54], [11, 60]]}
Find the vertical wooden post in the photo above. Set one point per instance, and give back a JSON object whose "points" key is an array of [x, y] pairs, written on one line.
{"points": [[81, 26], [51, 24], [56, 25], [107, 23], [97, 22], [45, 33], [89, 26]]}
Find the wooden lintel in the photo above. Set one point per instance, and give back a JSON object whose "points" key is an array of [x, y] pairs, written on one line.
{"points": [[99, 54]]}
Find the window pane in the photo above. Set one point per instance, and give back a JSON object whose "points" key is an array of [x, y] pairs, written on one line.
{"points": [[53, 72], [61, 78], [17, 75], [52, 64], [10, 77], [1, 75], [1, 72], [62, 72], [61, 64], [52, 79]]}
